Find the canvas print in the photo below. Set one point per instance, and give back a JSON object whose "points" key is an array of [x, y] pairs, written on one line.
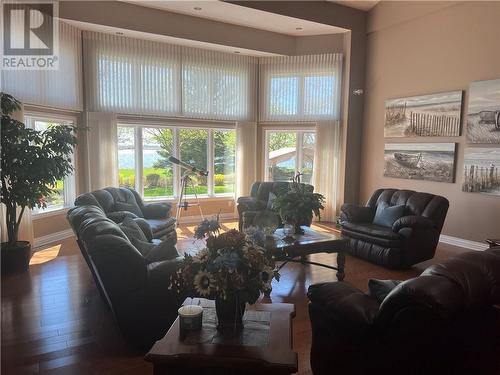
{"points": [[482, 170], [420, 161], [435, 115], [483, 116]]}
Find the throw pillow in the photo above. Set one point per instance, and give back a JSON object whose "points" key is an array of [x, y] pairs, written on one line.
{"points": [[270, 200], [387, 215], [132, 230], [379, 289]]}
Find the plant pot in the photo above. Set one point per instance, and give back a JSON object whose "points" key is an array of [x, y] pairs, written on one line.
{"points": [[298, 229], [229, 313], [16, 257]]}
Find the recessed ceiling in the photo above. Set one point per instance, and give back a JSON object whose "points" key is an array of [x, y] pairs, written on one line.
{"points": [[365, 5], [166, 39], [243, 16]]}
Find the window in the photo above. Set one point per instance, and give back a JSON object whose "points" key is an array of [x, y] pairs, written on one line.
{"points": [[143, 153], [289, 152], [64, 194]]}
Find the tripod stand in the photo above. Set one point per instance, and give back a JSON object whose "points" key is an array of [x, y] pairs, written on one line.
{"points": [[187, 181]]}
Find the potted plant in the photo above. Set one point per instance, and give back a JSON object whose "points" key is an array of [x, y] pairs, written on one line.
{"points": [[230, 269], [298, 205], [31, 161]]}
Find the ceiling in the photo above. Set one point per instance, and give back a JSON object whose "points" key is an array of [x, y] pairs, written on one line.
{"points": [[365, 5], [238, 15]]}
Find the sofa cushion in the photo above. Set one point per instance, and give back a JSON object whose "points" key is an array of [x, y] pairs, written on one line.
{"points": [[132, 230], [378, 234], [105, 200], [379, 289], [387, 215], [158, 225], [124, 200]]}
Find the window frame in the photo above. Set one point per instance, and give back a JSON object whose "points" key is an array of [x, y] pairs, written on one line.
{"points": [[138, 125], [299, 140], [69, 183]]}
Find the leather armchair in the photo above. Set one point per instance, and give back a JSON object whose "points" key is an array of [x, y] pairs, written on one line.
{"points": [[413, 238], [249, 207], [136, 291], [443, 322], [119, 203]]}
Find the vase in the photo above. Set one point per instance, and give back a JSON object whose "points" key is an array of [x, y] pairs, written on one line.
{"points": [[298, 229], [229, 313]]}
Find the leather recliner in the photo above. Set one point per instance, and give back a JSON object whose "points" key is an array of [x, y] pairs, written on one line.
{"points": [[119, 203], [137, 292], [412, 238], [257, 202], [443, 322]]}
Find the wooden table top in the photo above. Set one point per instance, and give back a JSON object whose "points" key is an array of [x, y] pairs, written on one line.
{"points": [[277, 356]]}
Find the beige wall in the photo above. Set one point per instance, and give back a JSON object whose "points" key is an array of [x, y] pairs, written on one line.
{"points": [[422, 47]]}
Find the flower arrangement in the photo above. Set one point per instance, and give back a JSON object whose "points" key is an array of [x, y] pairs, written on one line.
{"points": [[231, 267]]}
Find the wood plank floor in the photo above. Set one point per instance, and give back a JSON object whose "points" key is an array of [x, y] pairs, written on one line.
{"points": [[54, 322]]}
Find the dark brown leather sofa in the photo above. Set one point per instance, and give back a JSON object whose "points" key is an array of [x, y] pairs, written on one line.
{"points": [[443, 322], [136, 291], [119, 203], [413, 238], [257, 202]]}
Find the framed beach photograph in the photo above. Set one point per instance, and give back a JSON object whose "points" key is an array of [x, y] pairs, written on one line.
{"points": [[434, 115], [420, 161], [482, 170], [483, 114]]}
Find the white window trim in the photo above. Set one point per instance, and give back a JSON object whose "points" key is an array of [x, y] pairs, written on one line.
{"points": [[69, 191], [176, 125], [284, 128]]}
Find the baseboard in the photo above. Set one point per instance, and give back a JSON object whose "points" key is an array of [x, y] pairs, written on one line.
{"points": [[197, 218], [460, 242], [51, 238]]}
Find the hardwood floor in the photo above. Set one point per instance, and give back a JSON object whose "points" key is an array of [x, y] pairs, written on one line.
{"points": [[54, 322]]}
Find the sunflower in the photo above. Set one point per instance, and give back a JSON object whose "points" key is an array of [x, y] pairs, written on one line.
{"points": [[204, 283], [266, 277]]}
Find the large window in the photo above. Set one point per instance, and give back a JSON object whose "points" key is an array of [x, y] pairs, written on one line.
{"points": [[64, 190], [289, 152], [143, 159]]}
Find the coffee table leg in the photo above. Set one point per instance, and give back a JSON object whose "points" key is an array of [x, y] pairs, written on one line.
{"points": [[340, 265]]}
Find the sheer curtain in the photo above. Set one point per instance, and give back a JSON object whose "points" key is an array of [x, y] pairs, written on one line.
{"points": [[126, 75], [326, 166], [101, 152], [246, 157], [61, 88], [300, 88]]}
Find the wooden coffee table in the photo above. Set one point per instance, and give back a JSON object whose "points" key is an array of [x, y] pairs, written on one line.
{"points": [[263, 347], [311, 242]]}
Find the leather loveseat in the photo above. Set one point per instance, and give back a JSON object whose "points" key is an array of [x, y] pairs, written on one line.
{"points": [[411, 239], [119, 203], [443, 322], [258, 201], [136, 291]]}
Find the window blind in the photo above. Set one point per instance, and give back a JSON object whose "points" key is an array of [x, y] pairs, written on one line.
{"points": [[300, 88], [59, 88], [133, 76]]}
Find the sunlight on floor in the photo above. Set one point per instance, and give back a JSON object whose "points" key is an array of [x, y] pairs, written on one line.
{"points": [[46, 255]]}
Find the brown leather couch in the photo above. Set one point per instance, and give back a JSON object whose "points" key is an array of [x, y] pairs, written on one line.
{"points": [[443, 322], [119, 203], [258, 201], [412, 238], [136, 291]]}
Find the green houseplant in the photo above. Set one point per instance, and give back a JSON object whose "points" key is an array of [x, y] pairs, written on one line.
{"points": [[298, 205], [31, 163]]}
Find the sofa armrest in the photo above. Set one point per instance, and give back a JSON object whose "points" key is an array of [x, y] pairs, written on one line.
{"points": [[156, 210], [414, 222], [145, 227], [342, 302], [159, 272], [119, 216], [356, 214]]}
